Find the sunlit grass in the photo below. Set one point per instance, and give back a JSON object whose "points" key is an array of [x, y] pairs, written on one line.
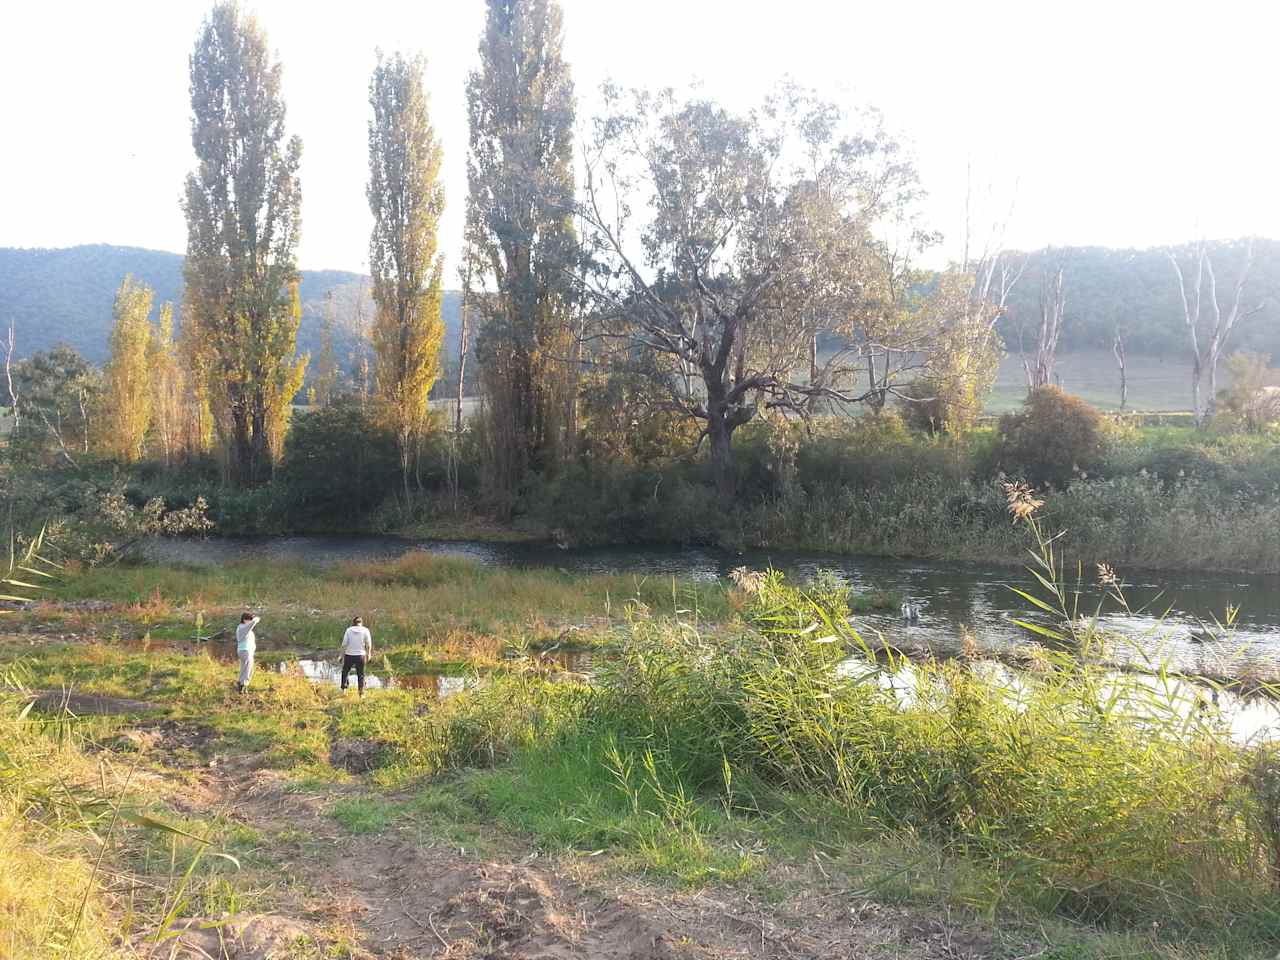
{"points": [[418, 599]]}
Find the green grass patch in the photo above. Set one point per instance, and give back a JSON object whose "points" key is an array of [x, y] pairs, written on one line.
{"points": [[567, 799], [365, 814]]}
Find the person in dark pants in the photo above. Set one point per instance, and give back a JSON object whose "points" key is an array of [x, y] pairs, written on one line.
{"points": [[357, 648]]}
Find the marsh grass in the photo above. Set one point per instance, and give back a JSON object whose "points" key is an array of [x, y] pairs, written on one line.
{"points": [[421, 599], [1067, 790], [702, 749]]}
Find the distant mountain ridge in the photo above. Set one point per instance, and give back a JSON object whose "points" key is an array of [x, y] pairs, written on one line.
{"points": [[64, 295]]}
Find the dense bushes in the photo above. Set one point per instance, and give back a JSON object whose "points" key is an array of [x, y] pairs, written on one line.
{"points": [[1160, 496], [339, 464]]}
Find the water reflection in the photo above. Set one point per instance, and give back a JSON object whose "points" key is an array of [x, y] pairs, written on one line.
{"points": [[438, 685], [218, 648], [328, 672]]}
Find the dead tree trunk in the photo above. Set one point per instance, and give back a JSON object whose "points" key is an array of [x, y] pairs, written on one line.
{"points": [[1041, 372], [1206, 351], [8, 377], [1118, 349]]}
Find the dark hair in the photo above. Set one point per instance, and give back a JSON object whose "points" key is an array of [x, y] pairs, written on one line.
{"points": [[355, 621], [246, 617]]}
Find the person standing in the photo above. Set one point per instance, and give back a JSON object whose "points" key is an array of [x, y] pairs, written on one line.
{"points": [[357, 648], [246, 646]]}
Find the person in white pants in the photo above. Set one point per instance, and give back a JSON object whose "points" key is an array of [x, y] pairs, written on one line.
{"points": [[246, 646]]}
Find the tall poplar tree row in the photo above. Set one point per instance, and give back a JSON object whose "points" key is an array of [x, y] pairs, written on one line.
{"points": [[168, 398], [406, 199], [242, 206], [128, 393], [520, 104]]}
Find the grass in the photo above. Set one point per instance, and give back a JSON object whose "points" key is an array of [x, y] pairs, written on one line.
{"points": [[364, 814], [420, 599], [67, 820]]}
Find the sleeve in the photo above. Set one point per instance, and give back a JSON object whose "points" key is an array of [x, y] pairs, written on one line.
{"points": [[256, 621]]}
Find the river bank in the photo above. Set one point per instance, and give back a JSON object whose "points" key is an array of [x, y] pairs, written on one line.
{"points": [[736, 737], [1217, 625], [1157, 498], [676, 806]]}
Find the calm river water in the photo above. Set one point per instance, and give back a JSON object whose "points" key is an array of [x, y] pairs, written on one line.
{"points": [[1173, 620]]}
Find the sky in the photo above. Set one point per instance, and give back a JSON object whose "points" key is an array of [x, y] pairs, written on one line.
{"points": [[1120, 123]]}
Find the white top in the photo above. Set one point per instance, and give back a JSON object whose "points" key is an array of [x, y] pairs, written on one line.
{"points": [[357, 642], [245, 639]]}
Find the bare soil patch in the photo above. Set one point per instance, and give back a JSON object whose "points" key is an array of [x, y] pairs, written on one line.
{"points": [[397, 895]]}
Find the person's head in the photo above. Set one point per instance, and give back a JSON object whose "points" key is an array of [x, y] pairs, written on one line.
{"points": [[357, 621], [246, 617]]}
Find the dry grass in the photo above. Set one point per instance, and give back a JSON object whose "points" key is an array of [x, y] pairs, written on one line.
{"points": [[49, 902]]}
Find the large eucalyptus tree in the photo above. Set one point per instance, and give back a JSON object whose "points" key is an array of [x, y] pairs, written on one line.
{"points": [[728, 247]]}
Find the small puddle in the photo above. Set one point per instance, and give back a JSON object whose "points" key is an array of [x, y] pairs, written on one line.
{"points": [[218, 649], [330, 672]]}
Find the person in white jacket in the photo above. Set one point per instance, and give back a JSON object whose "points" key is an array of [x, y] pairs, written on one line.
{"points": [[357, 648], [246, 647]]}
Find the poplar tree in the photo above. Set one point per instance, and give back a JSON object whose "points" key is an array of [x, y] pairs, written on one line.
{"points": [[520, 104], [167, 385], [195, 359], [242, 205], [406, 199], [324, 380], [128, 398]]}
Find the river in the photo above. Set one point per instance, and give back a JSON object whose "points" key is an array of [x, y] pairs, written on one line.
{"points": [[1172, 619]]}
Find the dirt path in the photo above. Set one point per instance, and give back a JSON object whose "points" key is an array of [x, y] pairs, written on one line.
{"points": [[401, 894], [406, 892]]}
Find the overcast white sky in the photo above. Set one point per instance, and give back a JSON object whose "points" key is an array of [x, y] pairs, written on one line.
{"points": [[1128, 122]]}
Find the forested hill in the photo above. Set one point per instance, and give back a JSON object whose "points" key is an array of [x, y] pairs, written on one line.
{"points": [[1139, 290], [65, 296]]}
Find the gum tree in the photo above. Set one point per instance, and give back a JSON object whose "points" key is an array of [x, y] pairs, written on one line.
{"points": [[1208, 330], [726, 246]]}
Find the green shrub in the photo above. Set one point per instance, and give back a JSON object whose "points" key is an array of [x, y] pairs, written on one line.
{"points": [[1054, 437], [339, 464]]}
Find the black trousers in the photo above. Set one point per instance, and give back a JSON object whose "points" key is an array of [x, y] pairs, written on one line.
{"points": [[348, 661]]}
